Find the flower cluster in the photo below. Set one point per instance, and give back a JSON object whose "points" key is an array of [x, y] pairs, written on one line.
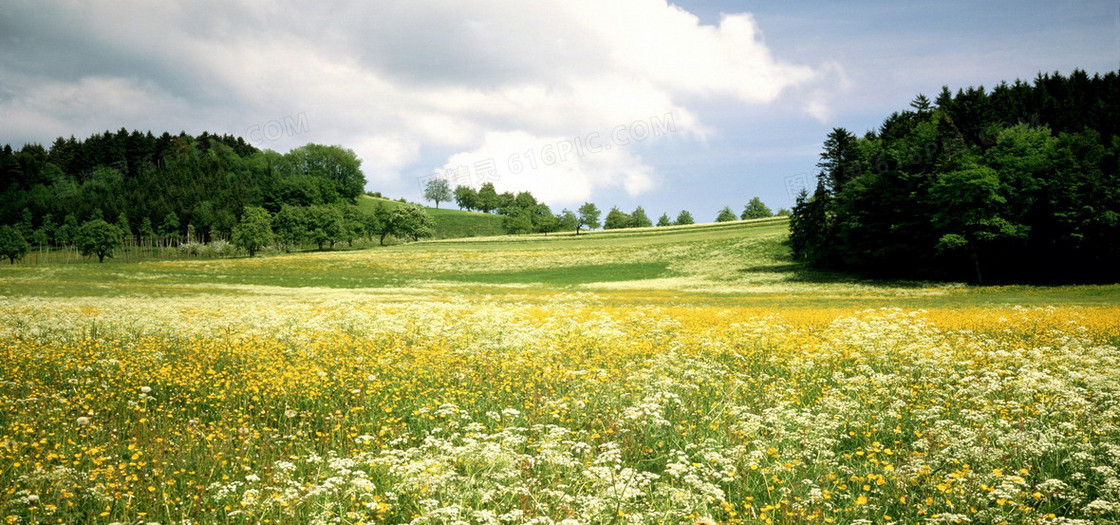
{"points": [[569, 409]]}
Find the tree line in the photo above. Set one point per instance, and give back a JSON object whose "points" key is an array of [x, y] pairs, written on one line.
{"points": [[326, 225], [112, 190], [291, 228], [1017, 184], [167, 183], [523, 213]]}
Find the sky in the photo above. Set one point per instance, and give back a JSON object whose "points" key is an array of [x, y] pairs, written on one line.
{"points": [[696, 104]]}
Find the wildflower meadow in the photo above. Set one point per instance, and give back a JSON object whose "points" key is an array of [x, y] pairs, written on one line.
{"points": [[689, 377]]}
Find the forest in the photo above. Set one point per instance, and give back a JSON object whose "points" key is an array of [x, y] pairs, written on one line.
{"points": [[166, 185], [1018, 184]]}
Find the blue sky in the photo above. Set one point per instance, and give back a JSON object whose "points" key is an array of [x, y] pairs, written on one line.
{"points": [[889, 52], [741, 94]]}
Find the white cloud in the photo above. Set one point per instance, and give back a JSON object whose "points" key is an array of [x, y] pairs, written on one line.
{"points": [[670, 48], [383, 156], [43, 109], [397, 79], [565, 169]]}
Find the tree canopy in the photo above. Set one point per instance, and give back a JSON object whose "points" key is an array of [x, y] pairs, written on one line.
{"points": [[97, 237], [411, 221], [726, 215], [639, 219], [588, 217], [1017, 184], [438, 190], [169, 181], [254, 231], [616, 219], [12, 244], [684, 217], [756, 209]]}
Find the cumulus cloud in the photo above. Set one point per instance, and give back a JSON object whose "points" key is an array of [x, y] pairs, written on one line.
{"points": [[412, 86]]}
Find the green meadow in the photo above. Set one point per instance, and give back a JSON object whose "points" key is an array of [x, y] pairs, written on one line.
{"points": [[675, 375], [738, 263]]}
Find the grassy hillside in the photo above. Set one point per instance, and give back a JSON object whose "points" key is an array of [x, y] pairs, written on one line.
{"points": [[743, 262], [450, 223]]}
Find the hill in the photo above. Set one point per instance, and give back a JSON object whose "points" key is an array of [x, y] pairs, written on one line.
{"points": [[450, 223], [741, 262]]}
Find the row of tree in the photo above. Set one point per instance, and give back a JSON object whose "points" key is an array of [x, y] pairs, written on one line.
{"points": [[291, 228], [94, 237], [204, 181], [617, 218], [524, 214], [326, 225], [50, 233], [1020, 184]]}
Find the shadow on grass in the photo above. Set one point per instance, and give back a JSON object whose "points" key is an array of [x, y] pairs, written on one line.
{"points": [[798, 272]]}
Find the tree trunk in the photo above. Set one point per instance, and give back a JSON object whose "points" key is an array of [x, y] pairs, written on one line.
{"points": [[976, 266]]}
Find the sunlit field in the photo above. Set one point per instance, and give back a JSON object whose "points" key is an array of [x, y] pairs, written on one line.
{"points": [[680, 375]]}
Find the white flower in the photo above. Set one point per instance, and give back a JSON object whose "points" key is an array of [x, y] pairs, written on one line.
{"points": [[145, 389], [83, 421]]}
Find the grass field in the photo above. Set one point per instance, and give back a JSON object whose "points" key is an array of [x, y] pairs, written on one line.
{"points": [[666, 375], [451, 223]]}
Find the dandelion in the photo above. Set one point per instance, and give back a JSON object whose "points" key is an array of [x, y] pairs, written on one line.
{"points": [[83, 420], [145, 389]]}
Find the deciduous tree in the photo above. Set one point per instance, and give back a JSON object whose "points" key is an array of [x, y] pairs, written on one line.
{"points": [[254, 231], [616, 219], [99, 238], [290, 226], [466, 197], [324, 225], [567, 220], [588, 217], [412, 221], [755, 209], [487, 198], [438, 190], [12, 244], [639, 219]]}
